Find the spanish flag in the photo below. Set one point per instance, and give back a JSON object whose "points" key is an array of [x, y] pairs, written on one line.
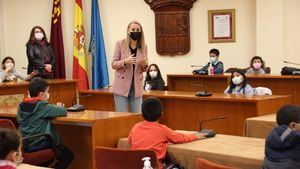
{"points": [[80, 57]]}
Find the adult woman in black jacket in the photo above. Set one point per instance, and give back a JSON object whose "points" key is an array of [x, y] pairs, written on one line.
{"points": [[40, 54], [154, 81]]}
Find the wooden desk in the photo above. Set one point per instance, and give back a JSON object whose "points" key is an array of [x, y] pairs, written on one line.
{"points": [[235, 151], [182, 109], [279, 84], [81, 131], [260, 127], [61, 90], [215, 83]]}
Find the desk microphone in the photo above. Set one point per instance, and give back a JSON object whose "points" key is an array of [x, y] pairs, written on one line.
{"points": [[202, 93], [209, 132], [290, 70], [196, 66], [78, 107], [291, 63]]}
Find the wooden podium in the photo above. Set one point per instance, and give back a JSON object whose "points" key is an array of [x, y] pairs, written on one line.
{"points": [[60, 90]]}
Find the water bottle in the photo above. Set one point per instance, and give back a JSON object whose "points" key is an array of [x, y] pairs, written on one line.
{"points": [[210, 69], [147, 163]]}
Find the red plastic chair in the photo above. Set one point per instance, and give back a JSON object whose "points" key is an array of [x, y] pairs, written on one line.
{"points": [[205, 164], [37, 157], [114, 158]]}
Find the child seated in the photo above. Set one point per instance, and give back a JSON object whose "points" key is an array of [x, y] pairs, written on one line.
{"points": [[282, 148], [34, 117], [10, 149], [154, 81], [239, 84], [214, 62], [9, 74], [149, 134], [257, 66]]}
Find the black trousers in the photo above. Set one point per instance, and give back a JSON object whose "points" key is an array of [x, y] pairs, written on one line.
{"points": [[65, 158]]}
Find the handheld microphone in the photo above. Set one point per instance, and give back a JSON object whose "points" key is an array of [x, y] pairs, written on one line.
{"points": [[291, 63], [209, 132], [78, 107]]}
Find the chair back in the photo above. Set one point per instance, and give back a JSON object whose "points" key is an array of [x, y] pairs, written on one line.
{"points": [[114, 158], [6, 123], [232, 69], [205, 164], [267, 70]]}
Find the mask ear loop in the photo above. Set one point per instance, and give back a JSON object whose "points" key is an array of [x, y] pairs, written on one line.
{"points": [[19, 158]]}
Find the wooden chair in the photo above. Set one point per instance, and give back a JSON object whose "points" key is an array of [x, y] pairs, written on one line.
{"points": [[36, 157], [205, 164], [114, 158], [231, 69]]}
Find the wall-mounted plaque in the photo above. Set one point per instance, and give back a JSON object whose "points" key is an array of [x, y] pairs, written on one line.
{"points": [[172, 25]]}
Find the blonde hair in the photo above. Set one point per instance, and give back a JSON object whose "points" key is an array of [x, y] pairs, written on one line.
{"points": [[141, 41]]}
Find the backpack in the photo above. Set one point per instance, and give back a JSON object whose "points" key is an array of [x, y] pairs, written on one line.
{"points": [[290, 71]]}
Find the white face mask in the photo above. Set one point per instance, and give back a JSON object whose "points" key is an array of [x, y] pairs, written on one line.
{"points": [[39, 36], [153, 74], [213, 59], [237, 80], [9, 65]]}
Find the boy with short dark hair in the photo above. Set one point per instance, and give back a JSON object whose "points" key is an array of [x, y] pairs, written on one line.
{"points": [[214, 62], [149, 134], [34, 117], [282, 149], [10, 149]]}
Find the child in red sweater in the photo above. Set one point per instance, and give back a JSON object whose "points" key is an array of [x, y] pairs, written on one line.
{"points": [[10, 149], [149, 134]]}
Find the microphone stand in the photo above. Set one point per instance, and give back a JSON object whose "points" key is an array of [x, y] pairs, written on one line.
{"points": [[209, 132], [78, 107], [291, 63]]}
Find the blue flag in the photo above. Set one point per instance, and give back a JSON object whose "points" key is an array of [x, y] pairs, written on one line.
{"points": [[97, 48]]}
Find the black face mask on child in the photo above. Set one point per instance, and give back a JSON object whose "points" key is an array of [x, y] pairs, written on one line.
{"points": [[135, 35]]}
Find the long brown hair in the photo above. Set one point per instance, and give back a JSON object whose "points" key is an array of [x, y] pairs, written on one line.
{"points": [[32, 39], [141, 41]]}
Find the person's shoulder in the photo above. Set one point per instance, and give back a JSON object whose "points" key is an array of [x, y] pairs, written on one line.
{"points": [[28, 44]]}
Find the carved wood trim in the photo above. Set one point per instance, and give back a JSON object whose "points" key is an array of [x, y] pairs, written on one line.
{"points": [[172, 25]]}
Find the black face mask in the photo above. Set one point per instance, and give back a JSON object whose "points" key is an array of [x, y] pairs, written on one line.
{"points": [[135, 35]]}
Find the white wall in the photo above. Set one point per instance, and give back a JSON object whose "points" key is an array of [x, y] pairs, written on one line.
{"points": [[2, 39], [260, 30], [291, 30]]}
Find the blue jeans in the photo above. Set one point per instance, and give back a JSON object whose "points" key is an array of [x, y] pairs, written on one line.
{"points": [[121, 102]]}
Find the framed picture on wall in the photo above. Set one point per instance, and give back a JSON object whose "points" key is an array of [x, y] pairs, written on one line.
{"points": [[221, 25]]}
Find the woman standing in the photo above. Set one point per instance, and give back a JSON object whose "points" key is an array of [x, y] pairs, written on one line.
{"points": [[129, 62], [40, 54]]}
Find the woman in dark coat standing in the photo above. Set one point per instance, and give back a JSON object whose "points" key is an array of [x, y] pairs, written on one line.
{"points": [[40, 54]]}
